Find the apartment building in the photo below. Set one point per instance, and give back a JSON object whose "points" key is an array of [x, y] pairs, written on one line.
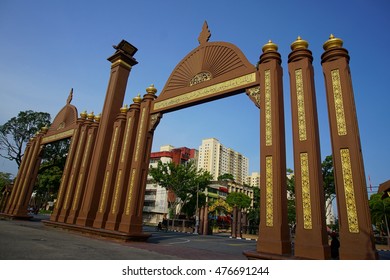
{"points": [[253, 180], [156, 197], [219, 160]]}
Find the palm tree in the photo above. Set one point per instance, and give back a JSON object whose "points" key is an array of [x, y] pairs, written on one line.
{"points": [[380, 211]]}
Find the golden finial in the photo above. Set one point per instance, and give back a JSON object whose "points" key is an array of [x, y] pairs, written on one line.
{"points": [[333, 42], [299, 44], [124, 109], [270, 46], [98, 117], [137, 99], [151, 89], [91, 116], [44, 129], [84, 114]]}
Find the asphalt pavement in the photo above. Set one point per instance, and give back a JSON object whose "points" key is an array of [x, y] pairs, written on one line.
{"points": [[32, 240]]}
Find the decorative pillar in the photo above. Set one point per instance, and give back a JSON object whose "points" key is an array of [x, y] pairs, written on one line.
{"points": [[131, 221], [206, 220], [235, 222], [83, 167], [70, 183], [274, 237], [68, 168], [124, 166], [111, 168], [311, 240], [201, 218], [20, 177], [121, 63], [29, 178], [356, 235]]}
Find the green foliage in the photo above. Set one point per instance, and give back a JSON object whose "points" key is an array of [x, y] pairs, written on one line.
{"points": [[225, 177], [239, 200], [190, 207], [183, 179], [16, 132], [380, 212], [328, 178], [5, 180], [291, 208]]}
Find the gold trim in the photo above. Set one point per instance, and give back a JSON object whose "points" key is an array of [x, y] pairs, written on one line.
{"points": [[207, 91], [86, 150], [104, 193], [116, 191], [121, 62], [300, 105], [306, 202], [269, 196], [52, 138], [68, 191], [129, 197], [140, 131], [76, 196], [338, 103], [126, 139], [350, 201], [113, 145], [268, 108]]}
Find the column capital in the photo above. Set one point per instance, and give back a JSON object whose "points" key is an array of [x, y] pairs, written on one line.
{"points": [[123, 55], [334, 50]]}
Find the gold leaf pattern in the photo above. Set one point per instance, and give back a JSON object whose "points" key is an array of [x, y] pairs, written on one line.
{"points": [[350, 202]]}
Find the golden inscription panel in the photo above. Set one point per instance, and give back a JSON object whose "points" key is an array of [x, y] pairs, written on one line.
{"points": [[207, 91], [306, 203], [300, 105], [268, 108], [349, 191], [65, 134], [116, 191], [338, 103], [129, 197], [269, 196]]}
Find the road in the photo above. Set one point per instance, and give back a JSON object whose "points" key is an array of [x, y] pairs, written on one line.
{"points": [[32, 240]]}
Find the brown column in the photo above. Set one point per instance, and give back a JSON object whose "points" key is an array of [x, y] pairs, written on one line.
{"points": [[20, 177], [131, 221], [69, 188], [206, 220], [124, 167], [83, 167], [29, 177], [274, 232], [68, 168], [356, 236], [201, 218], [122, 61], [111, 169], [311, 240], [234, 224]]}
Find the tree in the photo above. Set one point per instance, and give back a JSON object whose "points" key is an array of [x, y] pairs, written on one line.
{"points": [[5, 180], [239, 200], [16, 132], [291, 207], [225, 177], [328, 179], [380, 212], [184, 180]]}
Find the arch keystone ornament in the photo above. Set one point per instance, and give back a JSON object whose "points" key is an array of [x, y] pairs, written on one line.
{"points": [[103, 184]]}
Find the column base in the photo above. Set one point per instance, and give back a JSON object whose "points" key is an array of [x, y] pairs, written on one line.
{"points": [[138, 236]]}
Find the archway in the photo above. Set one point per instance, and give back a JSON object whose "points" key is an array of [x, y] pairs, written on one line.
{"points": [[106, 170]]}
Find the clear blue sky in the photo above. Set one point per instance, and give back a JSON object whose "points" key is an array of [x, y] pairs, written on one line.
{"points": [[49, 47]]}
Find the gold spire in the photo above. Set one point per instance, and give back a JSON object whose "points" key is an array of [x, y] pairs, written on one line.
{"points": [[333, 42], [91, 116], [137, 99], [151, 89], [84, 114], [299, 44], [270, 46], [98, 117], [124, 109], [44, 129]]}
